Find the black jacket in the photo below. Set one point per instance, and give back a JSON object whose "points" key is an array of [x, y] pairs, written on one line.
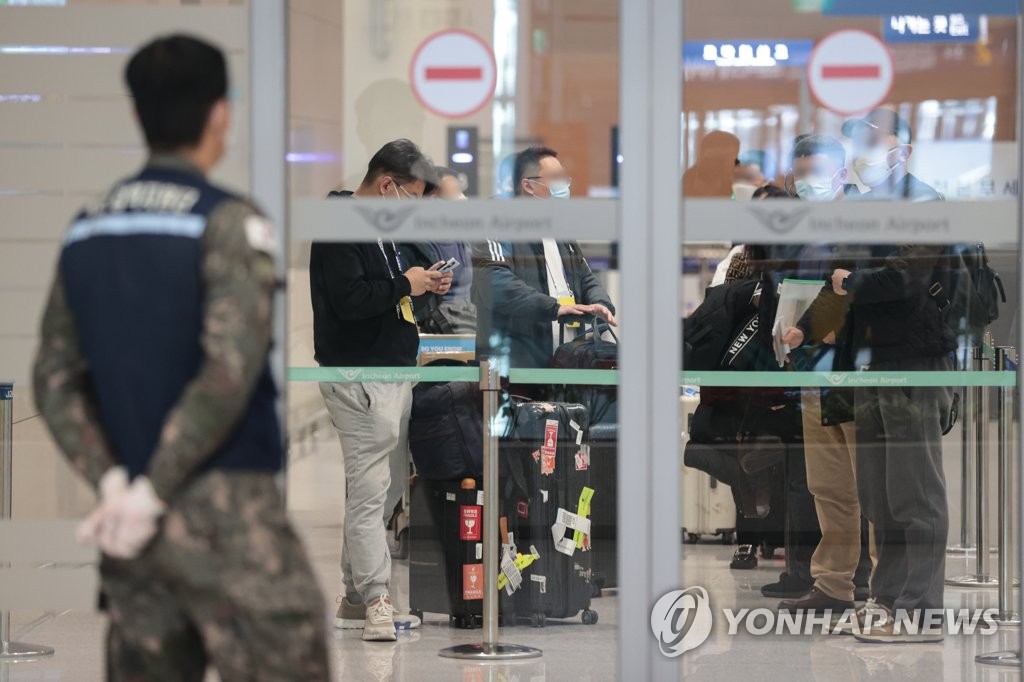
{"points": [[515, 312], [355, 305], [891, 312]]}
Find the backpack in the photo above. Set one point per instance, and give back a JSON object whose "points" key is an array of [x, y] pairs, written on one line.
{"points": [[967, 290], [446, 428], [708, 331]]}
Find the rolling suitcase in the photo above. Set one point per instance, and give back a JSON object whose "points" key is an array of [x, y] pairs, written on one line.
{"points": [[446, 552], [548, 496], [707, 506], [604, 507]]}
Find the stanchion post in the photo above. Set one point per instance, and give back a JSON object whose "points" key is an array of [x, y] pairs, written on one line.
{"points": [[981, 576], [1007, 438], [1004, 415], [490, 649], [11, 650], [964, 363]]}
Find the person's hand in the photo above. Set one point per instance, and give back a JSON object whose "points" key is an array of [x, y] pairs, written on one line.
{"points": [[602, 311], [574, 310], [793, 337], [113, 486], [134, 521], [837, 281], [442, 285], [422, 280]]}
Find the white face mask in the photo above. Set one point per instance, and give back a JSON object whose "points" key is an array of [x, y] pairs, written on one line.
{"points": [[743, 191], [816, 188], [559, 189], [873, 167]]}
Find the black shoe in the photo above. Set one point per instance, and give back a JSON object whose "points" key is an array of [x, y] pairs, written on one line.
{"points": [[861, 592], [788, 587], [744, 558], [816, 601], [767, 551]]}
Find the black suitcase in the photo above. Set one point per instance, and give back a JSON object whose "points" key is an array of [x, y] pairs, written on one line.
{"points": [[604, 458], [547, 486], [445, 570]]}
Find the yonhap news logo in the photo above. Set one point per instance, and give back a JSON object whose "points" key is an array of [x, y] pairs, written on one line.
{"points": [[682, 620]]}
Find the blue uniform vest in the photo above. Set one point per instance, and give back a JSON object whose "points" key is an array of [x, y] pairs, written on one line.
{"points": [[131, 273]]}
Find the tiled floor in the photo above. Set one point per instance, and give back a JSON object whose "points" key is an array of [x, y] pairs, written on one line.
{"points": [[571, 651]]}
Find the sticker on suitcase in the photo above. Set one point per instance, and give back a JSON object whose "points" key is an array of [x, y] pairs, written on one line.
{"points": [[469, 529], [472, 581], [550, 447], [583, 458]]}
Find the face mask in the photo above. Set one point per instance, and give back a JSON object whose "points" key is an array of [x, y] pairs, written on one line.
{"points": [[873, 167], [816, 188], [743, 191], [559, 190]]}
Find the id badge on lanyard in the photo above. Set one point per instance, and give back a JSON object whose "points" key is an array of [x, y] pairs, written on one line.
{"points": [[568, 298], [404, 307]]}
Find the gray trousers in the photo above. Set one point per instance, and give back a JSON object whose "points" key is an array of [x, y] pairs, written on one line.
{"points": [[372, 421], [901, 485]]}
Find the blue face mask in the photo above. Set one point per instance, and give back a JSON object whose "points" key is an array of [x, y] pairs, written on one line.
{"points": [[559, 190]]}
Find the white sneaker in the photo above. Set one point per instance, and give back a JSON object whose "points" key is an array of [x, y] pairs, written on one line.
{"points": [[352, 616], [380, 621]]}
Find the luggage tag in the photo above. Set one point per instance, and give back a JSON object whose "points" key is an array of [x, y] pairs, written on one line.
{"points": [[568, 298]]}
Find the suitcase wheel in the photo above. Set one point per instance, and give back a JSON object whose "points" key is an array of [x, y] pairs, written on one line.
{"points": [[537, 620], [692, 538], [589, 617]]}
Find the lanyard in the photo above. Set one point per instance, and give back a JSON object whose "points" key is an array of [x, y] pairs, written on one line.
{"points": [[398, 258]]}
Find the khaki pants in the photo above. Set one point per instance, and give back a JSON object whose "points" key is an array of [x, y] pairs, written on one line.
{"points": [[831, 457]]}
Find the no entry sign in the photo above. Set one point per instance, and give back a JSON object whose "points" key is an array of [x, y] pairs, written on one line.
{"points": [[850, 72], [453, 73]]}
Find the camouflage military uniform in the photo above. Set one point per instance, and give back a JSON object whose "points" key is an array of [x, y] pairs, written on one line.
{"points": [[226, 580]]}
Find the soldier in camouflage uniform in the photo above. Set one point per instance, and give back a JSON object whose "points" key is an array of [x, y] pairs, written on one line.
{"points": [[153, 368]]}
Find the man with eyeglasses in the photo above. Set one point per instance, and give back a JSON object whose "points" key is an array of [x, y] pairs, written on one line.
{"points": [[522, 290], [882, 148], [363, 317]]}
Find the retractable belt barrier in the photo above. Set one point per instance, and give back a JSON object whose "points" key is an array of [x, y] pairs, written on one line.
{"points": [[1002, 377], [610, 377]]}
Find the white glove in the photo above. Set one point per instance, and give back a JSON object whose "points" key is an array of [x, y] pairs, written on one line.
{"points": [[113, 485], [133, 522]]}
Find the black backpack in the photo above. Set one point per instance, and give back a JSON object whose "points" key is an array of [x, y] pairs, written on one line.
{"points": [[967, 290], [709, 330], [446, 428]]}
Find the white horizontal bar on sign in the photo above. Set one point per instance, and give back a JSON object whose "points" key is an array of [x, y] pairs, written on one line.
{"points": [[852, 222], [361, 220], [121, 25]]}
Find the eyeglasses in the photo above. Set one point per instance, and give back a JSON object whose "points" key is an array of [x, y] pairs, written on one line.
{"points": [[566, 179]]}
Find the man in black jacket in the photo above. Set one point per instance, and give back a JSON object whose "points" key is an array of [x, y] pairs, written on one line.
{"points": [[894, 325], [523, 289], [363, 317]]}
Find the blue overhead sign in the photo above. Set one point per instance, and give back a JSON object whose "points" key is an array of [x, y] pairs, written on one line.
{"points": [[747, 53], [932, 28], [918, 7]]}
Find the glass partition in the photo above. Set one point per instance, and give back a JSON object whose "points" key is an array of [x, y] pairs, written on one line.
{"points": [[850, 305], [501, 110]]}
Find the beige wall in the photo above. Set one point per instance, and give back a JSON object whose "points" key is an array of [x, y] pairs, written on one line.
{"points": [[72, 139]]}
